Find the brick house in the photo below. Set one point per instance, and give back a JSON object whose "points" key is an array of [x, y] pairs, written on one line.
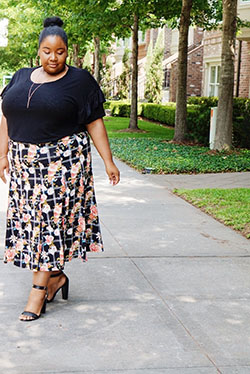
{"points": [[212, 58], [204, 59], [170, 37]]}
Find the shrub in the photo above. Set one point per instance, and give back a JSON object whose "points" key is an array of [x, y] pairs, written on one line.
{"points": [[122, 108], [158, 112], [198, 117], [107, 104], [241, 119]]}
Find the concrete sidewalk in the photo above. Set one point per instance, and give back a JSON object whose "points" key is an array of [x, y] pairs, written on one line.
{"points": [[213, 180], [170, 294]]}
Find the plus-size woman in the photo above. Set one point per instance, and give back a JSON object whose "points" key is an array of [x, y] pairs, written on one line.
{"points": [[52, 217]]}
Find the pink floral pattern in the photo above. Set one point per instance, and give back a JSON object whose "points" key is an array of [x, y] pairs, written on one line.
{"points": [[52, 214]]}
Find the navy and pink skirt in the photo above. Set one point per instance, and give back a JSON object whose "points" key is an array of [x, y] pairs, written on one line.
{"points": [[52, 214]]}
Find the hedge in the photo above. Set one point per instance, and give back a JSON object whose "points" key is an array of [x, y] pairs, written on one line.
{"points": [[198, 117], [241, 117]]}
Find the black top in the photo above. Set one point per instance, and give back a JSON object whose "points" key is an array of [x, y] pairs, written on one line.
{"points": [[57, 109]]}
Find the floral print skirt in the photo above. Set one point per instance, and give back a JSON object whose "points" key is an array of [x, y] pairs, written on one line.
{"points": [[52, 215]]}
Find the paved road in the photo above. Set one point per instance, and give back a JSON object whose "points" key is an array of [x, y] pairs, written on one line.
{"points": [[170, 294]]}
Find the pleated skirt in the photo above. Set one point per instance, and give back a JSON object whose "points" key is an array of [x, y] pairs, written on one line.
{"points": [[52, 214]]}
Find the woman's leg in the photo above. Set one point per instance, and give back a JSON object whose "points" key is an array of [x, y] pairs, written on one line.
{"points": [[36, 297], [55, 283]]}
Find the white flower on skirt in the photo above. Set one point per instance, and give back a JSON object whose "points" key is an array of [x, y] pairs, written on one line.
{"points": [[72, 193], [67, 153], [31, 170], [50, 229], [57, 232], [46, 208], [44, 150], [50, 191], [28, 227], [70, 231]]}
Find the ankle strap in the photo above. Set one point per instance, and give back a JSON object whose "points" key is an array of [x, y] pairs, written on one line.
{"points": [[40, 287], [55, 275]]}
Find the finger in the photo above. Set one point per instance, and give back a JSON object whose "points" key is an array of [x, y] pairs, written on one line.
{"points": [[115, 179], [3, 178]]}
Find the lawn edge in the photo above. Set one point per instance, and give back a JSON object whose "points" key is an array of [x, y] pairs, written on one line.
{"points": [[174, 191]]}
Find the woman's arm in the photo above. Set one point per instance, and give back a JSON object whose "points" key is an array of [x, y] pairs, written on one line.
{"points": [[4, 163], [98, 134]]}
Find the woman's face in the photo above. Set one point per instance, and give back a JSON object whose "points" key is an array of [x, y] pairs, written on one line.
{"points": [[53, 53]]}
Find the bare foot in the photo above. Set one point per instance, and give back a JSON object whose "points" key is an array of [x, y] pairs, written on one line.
{"points": [[34, 304], [55, 283]]}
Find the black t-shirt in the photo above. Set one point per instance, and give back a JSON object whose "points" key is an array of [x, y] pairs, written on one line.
{"points": [[57, 109]]}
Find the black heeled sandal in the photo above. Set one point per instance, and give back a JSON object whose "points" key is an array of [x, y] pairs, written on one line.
{"points": [[64, 287], [43, 310]]}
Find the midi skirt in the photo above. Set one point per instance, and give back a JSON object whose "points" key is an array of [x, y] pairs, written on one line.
{"points": [[52, 215]]}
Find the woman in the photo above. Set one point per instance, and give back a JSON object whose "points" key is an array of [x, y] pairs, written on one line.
{"points": [[48, 113]]}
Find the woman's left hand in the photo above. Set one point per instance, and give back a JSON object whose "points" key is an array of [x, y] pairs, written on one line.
{"points": [[113, 173]]}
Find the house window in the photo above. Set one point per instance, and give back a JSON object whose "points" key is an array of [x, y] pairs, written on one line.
{"points": [[166, 80], [214, 79]]}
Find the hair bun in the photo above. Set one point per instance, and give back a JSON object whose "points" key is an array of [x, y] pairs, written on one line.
{"points": [[52, 21]]}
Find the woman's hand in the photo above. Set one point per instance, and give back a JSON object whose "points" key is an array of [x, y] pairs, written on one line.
{"points": [[98, 134], [4, 168], [113, 173]]}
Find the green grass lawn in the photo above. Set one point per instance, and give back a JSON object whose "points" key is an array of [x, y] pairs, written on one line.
{"points": [[152, 149], [114, 125], [230, 206]]}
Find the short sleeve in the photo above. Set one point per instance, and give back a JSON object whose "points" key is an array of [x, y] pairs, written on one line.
{"points": [[94, 108], [9, 85], [90, 99]]}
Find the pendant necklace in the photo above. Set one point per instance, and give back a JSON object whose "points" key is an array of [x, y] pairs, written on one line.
{"points": [[30, 94]]}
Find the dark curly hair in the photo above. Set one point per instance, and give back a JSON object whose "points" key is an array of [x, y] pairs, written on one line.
{"points": [[53, 26]]}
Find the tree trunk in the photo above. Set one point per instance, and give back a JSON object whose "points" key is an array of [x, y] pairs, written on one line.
{"points": [[181, 97], [223, 134], [97, 58], [76, 58], [31, 62], [134, 96]]}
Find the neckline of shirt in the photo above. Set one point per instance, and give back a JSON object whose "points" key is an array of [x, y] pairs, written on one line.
{"points": [[56, 80]]}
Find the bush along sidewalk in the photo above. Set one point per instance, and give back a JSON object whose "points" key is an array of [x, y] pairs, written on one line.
{"points": [[229, 206], [163, 157], [198, 117]]}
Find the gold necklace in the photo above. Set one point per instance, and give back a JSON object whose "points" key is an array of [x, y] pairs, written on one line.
{"points": [[30, 94]]}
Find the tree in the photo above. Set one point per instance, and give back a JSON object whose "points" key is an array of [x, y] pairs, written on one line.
{"points": [[106, 79], [223, 134], [203, 13], [23, 31], [154, 71], [134, 15], [124, 79], [181, 100]]}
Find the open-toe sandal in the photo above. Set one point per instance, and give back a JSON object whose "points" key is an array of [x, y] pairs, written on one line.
{"points": [[43, 309]]}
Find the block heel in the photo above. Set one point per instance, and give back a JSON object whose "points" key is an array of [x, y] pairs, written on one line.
{"points": [[64, 287]]}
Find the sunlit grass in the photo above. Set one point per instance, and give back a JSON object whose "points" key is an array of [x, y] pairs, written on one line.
{"points": [[230, 206]]}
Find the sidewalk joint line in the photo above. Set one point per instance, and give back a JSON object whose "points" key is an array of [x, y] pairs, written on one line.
{"points": [[177, 318]]}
